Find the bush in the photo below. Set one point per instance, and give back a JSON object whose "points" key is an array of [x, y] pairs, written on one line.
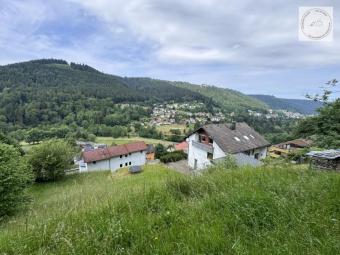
{"points": [[50, 159], [298, 155], [229, 162], [15, 177], [160, 150], [173, 156], [10, 141]]}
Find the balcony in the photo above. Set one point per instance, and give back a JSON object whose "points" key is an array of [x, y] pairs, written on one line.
{"points": [[202, 146]]}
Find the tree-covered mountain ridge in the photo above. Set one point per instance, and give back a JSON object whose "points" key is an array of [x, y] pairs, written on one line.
{"points": [[304, 106]]}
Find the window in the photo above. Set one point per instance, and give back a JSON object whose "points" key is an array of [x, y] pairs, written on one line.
{"points": [[121, 156], [94, 162], [209, 155], [201, 138], [130, 163], [126, 155], [130, 153], [121, 165], [252, 136], [246, 137], [211, 140], [141, 151], [237, 139], [126, 164]]}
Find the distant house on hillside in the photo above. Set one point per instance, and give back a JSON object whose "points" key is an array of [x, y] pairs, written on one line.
{"points": [[183, 146], [214, 142], [282, 149], [114, 157], [295, 144], [150, 152]]}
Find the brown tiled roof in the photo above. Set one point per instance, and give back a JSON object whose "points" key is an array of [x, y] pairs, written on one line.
{"points": [[113, 151], [240, 139], [298, 142]]}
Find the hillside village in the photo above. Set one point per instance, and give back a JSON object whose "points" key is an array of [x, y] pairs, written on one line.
{"points": [[195, 112], [183, 113], [272, 114]]}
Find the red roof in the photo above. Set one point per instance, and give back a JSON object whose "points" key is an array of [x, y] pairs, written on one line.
{"points": [[181, 146], [113, 151]]}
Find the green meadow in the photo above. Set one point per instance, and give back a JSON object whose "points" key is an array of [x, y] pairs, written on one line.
{"points": [[124, 140], [269, 210]]}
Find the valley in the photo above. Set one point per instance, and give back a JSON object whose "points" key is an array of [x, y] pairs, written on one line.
{"points": [[48, 98]]}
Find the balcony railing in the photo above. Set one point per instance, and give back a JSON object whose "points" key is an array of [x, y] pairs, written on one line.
{"points": [[202, 146]]}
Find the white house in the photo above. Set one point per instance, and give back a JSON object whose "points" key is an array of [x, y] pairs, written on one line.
{"points": [[114, 157], [213, 142]]}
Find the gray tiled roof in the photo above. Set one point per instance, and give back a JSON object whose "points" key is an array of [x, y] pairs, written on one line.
{"points": [[243, 138]]}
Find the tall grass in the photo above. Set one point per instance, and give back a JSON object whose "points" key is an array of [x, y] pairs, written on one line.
{"points": [[242, 211]]}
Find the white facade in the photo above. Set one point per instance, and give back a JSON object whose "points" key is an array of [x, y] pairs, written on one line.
{"points": [[200, 155], [114, 163]]}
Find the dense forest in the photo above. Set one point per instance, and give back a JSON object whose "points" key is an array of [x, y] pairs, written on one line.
{"points": [[229, 100]]}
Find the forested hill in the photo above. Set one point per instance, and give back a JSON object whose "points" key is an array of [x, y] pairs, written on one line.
{"points": [[228, 99], [76, 81], [47, 91], [296, 105]]}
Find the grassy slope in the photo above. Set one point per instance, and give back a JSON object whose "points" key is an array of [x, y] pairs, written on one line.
{"points": [[123, 140], [230, 100], [246, 211]]}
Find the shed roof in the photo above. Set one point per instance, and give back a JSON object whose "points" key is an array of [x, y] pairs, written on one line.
{"points": [[298, 142], [240, 139], [113, 151], [327, 154]]}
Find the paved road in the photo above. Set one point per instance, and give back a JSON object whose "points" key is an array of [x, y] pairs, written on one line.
{"points": [[180, 166]]}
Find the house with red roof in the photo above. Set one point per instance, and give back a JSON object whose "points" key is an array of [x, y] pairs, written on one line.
{"points": [[183, 146], [114, 157]]}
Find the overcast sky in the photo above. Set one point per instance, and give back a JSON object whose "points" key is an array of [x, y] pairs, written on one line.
{"points": [[250, 46]]}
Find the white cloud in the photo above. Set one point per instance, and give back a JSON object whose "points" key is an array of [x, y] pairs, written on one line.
{"points": [[265, 32]]}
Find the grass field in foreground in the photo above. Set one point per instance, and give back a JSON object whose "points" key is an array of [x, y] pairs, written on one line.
{"points": [[123, 140], [242, 211]]}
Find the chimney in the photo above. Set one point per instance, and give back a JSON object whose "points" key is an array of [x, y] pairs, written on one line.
{"points": [[233, 125]]}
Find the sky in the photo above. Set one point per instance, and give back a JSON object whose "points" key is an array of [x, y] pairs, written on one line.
{"points": [[249, 46]]}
